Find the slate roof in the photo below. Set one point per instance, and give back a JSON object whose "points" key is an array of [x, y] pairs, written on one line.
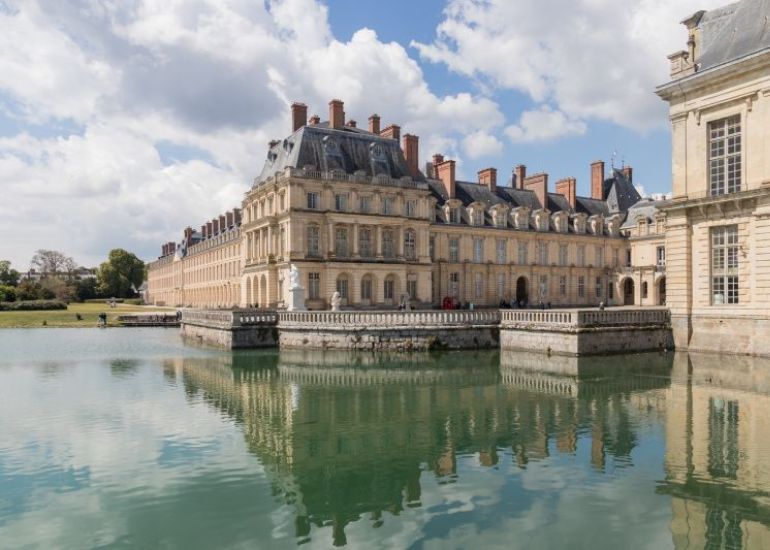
{"points": [[734, 31], [347, 149], [619, 193], [647, 208]]}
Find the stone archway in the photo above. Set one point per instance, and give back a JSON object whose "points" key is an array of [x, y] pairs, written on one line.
{"points": [[628, 291], [522, 290]]}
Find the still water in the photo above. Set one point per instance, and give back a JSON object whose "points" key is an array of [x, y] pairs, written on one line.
{"points": [[126, 438]]}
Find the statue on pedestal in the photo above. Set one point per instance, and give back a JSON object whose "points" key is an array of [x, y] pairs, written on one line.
{"points": [[336, 301], [293, 277], [296, 292]]}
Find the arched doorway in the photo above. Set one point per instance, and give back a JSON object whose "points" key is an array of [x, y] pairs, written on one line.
{"points": [[662, 291], [628, 292], [521, 291]]}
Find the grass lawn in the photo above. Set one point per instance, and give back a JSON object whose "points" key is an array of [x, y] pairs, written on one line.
{"points": [[68, 318]]}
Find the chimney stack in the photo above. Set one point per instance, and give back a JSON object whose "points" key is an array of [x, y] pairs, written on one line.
{"points": [[374, 124], [229, 218], [411, 154], [237, 216], [539, 184], [446, 173], [215, 225], [628, 172], [222, 223], [298, 116], [568, 188], [392, 132], [352, 123], [209, 229], [488, 177], [521, 174], [315, 120], [188, 233], [336, 114], [597, 180], [203, 231], [437, 159]]}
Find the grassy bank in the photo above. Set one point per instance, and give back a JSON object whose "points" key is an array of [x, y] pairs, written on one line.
{"points": [[89, 314]]}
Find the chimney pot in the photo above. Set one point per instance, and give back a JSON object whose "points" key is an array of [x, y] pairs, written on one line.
{"points": [[336, 114], [315, 120], [374, 124], [352, 123], [298, 116]]}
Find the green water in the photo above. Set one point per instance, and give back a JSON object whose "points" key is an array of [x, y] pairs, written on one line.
{"points": [[125, 438]]}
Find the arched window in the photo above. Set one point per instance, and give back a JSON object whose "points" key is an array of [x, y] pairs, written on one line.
{"points": [[366, 289], [313, 241], [410, 245]]}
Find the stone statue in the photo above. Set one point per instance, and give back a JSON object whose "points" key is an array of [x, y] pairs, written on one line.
{"points": [[336, 301], [405, 304], [293, 277]]}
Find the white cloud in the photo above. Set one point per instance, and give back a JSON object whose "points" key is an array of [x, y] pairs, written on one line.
{"points": [[208, 76], [481, 144], [593, 59], [544, 124]]}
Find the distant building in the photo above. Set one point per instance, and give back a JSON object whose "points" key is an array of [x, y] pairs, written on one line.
{"points": [[78, 274], [352, 210]]}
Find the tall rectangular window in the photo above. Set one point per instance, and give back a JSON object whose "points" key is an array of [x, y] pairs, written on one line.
{"points": [[660, 254], [454, 285], [454, 250], [543, 287], [313, 285], [563, 254], [342, 287], [478, 217], [478, 250], [581, 255], [410, 209], [388, 244], [581, 287], [502, 255], [410, 245], [563, 285], [599, 255], [341, 242], [432, 247], [366, 288], [599, 288], [340, 202], [313, 241], [725, 155], [365, 242], [724, 265], [454, 215], [387, 205], [365, 204], [389, 289], [479, 285], [523, 253], [501, 285], [313, 200], [542, 253]]}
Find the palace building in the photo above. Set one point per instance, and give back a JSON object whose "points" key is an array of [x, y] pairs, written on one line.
{"points": [[717, 228], [351, 209]]}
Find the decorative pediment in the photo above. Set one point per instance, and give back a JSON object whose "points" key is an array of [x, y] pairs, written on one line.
{"points": [[596, 224], [520, 217], [541, 219], [579, 223], [560, 221]]}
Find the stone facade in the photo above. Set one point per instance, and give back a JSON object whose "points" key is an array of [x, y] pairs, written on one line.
{"points": [[718, 222]]}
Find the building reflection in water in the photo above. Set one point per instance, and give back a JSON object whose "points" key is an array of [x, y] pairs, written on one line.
{"points": [[718, 452], [348, 437]]}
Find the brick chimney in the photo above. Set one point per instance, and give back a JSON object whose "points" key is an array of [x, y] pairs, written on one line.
{"points": [[539, 184], [222, 223], [411, 154], [437, 159], [237, 216], [209, 229], [352, 123], [628, 172], [521, 174], [392, 132], [336, 114], [446, 173], [374, 124], [568, 188], [298, 116], [229, 217], [188, 233], [215, 225], [597, 180], [488, 177], [204, 233], [315, 120]]}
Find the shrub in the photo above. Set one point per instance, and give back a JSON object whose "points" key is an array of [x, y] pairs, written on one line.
{"points": [[32, 305], [133, 301], [103, 301], [7, 293]]}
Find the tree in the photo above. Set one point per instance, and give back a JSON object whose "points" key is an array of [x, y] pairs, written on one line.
{"points": [[7, 293], [121, 270], [53, 287], [85, 289], [28, 290], [8, 276], [52, 261]]}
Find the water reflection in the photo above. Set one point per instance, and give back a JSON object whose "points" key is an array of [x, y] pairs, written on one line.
{"points": [[350, 437]]}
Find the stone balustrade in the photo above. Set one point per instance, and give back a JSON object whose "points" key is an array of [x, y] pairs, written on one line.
{"points": [[577, 319], [356, 320], [228, 319]]}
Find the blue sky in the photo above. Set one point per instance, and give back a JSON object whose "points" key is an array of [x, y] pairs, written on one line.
{"points": [[122, 123]]}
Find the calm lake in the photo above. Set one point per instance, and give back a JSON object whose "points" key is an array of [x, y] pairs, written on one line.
{"points": [[127, 438]]}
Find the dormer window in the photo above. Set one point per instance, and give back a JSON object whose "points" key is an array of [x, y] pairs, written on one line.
{"points": [[478, 217], [454, 215]]}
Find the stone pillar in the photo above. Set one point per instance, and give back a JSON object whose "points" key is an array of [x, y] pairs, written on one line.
{"points": [[331, 245], [378, 242], [356, 251], [400, 243]]}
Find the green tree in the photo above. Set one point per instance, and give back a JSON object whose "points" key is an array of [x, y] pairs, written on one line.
{"points": [[28, 290], [117, 275], [85, 289], [8, 276], [7, 293], [53, 287]]}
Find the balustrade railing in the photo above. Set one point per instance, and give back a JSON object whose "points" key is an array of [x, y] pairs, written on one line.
{"points": [[227, 319], [586, 318], [387, 319]]}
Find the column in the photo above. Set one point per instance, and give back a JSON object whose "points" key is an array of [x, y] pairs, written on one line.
{"points": [[378, 242], [330, 248], [356, 252]]}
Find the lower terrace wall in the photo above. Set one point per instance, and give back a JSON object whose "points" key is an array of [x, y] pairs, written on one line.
{"points": [[586, 332], [230, 329], [389, 331]]}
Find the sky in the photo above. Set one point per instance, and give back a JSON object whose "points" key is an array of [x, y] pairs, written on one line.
{"points": [[124, 121]]}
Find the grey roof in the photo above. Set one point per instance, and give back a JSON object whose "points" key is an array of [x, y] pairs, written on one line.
{"points": [[619, 193], [734, 31], [590, 206], [347, 149], [646, 208]]}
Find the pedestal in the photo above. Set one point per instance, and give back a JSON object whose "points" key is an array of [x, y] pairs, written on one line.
{"points": [[296, 299]]}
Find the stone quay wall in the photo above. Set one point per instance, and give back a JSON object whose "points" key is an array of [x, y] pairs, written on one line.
{"points": [[389, 330], [239, 329], [586, 332]]}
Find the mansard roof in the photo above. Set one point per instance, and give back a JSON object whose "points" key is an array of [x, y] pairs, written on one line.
{"points": [[619, 193], [348, 149], [732, 32], [645, 208]]}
